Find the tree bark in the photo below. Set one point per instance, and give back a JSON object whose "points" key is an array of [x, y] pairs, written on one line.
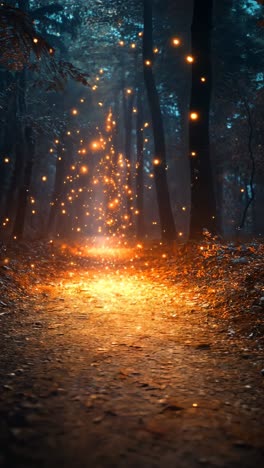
{"points": [[203, 205], [23, 193], [140, 168], [128, 149], [168, 232]]}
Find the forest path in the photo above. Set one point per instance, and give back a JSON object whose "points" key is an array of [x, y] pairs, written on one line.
{"points": [[117, 365]]}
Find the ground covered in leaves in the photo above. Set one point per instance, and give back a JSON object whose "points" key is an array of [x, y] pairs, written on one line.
{"points": [[149, 356]]}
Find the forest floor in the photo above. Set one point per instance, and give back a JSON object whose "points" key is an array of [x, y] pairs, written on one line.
{"points": [[143, 357]]}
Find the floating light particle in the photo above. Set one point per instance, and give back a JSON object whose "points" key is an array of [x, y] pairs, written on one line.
{"points": [[156, 50], [129, 91], [6, 160], [189, 59], [183, 208], [175, 41], [35, 40], [100, 104], [74, 111], [193, 154], [180, 234], [121, 43], [156, 162], [148, 63], [84, 170], [44, 178], [242, 190], [195, 405], [194, 116], [203, 79], [95, 145], [140, 34], [133, 46]]}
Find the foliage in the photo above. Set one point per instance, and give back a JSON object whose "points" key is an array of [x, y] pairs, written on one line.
{"points": [[19, 39]]}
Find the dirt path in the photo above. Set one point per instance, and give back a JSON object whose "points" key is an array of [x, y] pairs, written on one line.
{"points": [[113, 367]]}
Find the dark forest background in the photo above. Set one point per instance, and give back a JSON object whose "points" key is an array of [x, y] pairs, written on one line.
{"points": [[86, 88]]}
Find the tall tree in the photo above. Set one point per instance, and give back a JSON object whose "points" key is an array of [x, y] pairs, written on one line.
{"points": [[203, 209], [140, 228], [168, 231]]}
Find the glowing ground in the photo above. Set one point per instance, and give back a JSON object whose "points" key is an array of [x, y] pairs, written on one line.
{"points": [[112, 362]]}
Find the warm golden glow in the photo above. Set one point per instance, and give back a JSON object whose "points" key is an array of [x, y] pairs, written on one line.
{"points": [[84, 170], [95, 145], [194, 116], [176, 41], [189, 59]]}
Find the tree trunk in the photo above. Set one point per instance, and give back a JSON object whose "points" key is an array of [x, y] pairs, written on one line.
{"points": [[140, 168], [129, 98], [203, 205], [168, 232], [29, 151], [61, 168], [7, 145]]}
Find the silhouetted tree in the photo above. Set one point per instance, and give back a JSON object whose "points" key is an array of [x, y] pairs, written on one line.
{"points": [[203, 209], [168, 231]]}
